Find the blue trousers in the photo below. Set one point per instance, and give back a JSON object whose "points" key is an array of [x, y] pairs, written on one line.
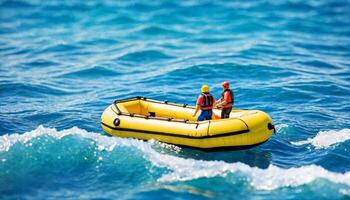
{"points": [[205, 115]]}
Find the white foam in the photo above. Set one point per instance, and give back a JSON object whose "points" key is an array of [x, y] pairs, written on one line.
{"points": [[345, 192], [264, 179], [104, 142], [325, 139], [188, 169], [280, 127]]}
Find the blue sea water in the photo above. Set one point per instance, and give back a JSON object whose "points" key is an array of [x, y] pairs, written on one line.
{"points": [[63, 62]]}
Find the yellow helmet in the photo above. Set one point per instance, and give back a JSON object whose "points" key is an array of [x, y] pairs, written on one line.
{"points": [[205, 88]]}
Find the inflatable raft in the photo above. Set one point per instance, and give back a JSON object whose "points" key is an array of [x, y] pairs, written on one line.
{"points": [[172, 123]]}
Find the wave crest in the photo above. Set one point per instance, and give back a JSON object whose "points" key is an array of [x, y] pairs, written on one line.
{"points": [[106, 143], [325, 139], [184, 169], [263, 179]]}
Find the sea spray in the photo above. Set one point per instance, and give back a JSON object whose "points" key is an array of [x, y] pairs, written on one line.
{"points": [[325, 139]]}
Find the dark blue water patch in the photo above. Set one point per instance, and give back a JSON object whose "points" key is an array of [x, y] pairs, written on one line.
{"points": [[8, 90], [314, 114], [14, 4], [121, 20], [335, 8], [31, 21], [39, 63], [41, 117], [13, 124], [59, 48], [269, 50], [292, 7], [255, 157], [160, 32], [142, 7], [321, 88], [77, 120], [212, 40], [106, 42], [313, 119], [64, 7], [249, 28], [343, 117], [192, 71], [199, 10], [4, 75], [290, 155], [285, 149], [318, 64], [175, 46], [91, 73], [5, 31], [170, 19], [344, 75], [225, 71], [306, 28], [62, 18], [318, 47], [304, 155], [280, 95], [147, 56], [17, 51], [4, 47], [336, 159]]}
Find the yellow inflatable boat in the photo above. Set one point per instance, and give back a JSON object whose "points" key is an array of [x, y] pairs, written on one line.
{"points": [[146, 119]]}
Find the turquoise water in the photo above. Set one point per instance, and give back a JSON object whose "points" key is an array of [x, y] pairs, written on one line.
{"points": [[63, 62]]}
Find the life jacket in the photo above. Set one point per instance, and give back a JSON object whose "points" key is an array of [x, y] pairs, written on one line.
{"points": [[207, 103], [232, 99]]}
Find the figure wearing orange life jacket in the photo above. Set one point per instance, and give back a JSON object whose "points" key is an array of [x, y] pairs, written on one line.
{"points": [[227, 100], [205, 103]]}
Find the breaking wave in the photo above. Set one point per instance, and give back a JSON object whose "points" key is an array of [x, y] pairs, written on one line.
{"points": [[325, 139], [185, 169]]}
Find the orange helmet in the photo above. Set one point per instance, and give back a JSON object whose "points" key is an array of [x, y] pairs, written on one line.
{"points": [[225, 84]]}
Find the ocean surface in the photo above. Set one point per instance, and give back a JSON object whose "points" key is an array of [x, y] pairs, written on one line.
{"points": [[62, 62]]}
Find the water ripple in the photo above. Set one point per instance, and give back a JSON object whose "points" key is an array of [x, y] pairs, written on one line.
{"points": [[144, 56], [91, 73]]}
